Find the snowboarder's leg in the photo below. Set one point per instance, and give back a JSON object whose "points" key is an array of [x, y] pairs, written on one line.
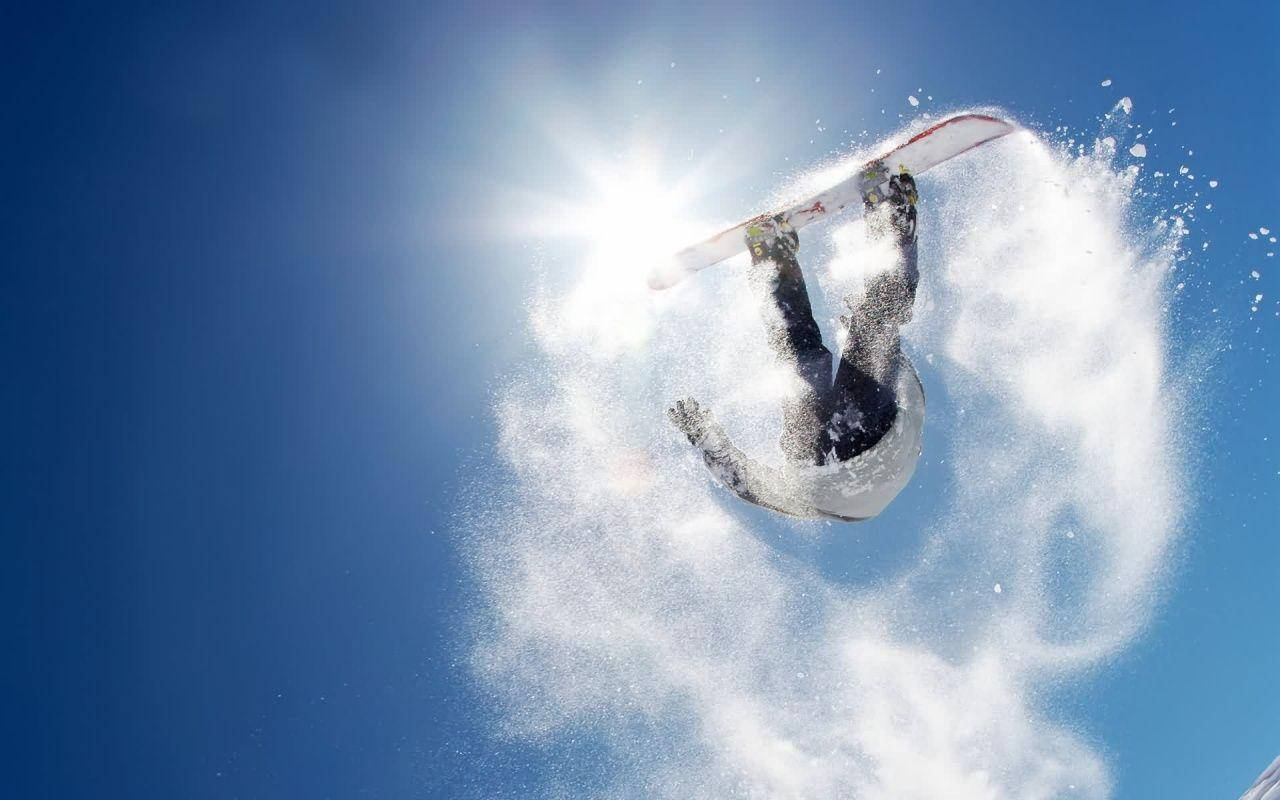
{"points": [[794, 336], [864, 403]]}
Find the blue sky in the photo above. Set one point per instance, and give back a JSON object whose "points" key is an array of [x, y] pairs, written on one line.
{"points": [[268, 265]]}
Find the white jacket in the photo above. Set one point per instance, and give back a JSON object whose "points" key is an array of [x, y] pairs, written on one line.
{"points": [[853, 490]]}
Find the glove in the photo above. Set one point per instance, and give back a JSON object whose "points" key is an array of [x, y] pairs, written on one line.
{"points": [[694, 421]]}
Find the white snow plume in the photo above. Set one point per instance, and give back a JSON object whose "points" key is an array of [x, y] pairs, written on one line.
{"points": [[632, 615]]}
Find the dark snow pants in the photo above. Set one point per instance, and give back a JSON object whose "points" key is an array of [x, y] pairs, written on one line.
{"points": [[843, 417]]}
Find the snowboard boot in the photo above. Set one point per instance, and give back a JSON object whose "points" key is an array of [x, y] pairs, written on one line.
{"points": [[878, 187], [771, 239], [890, 203]]}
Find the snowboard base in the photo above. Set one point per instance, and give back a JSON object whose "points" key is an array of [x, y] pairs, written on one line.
{"points": [[930, 147]]}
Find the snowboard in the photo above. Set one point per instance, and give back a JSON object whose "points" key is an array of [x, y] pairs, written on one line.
{"points": [[926, 149]]}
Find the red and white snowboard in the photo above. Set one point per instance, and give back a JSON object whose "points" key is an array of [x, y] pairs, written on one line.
{"points": [[930, 147]]}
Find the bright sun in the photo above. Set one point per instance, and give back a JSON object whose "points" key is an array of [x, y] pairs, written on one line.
{"points": [[624, 221], [627, 220]]}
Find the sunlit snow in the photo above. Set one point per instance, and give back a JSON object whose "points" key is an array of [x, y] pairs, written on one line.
{"points": [[628, 602]]}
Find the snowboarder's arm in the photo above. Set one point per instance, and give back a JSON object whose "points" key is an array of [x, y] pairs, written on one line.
{"points": [[752, 481], [756, 483]]}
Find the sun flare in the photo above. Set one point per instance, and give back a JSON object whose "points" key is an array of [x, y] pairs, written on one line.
{"points": [[626, 214]]}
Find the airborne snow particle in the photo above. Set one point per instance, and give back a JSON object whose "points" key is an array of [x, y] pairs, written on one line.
{"points": [[1184, 169], [1139, 150], [1264, 231], [1107, 82], [1254, 274], [1213, 184], [1126, 104], [877, 71], [532, 617], [1253, 235], [911, 98], [757, 79], [998, 590]]}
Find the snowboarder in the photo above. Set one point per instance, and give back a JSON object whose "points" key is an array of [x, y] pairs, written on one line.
{"points": [[852, 444]]}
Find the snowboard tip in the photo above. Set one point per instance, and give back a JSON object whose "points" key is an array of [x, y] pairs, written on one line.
{"points": [[664, 276]]}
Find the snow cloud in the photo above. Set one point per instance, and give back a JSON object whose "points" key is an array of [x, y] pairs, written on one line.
{"points": [[628, 607]]}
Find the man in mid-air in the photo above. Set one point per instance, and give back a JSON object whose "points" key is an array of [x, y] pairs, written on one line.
{"points": [[850, 444]]}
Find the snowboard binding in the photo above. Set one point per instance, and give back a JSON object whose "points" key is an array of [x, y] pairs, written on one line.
{"points": [[771, 239], [878, 187]]}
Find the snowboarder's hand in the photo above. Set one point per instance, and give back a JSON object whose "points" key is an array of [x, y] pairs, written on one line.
{"points": [[693, 420]]}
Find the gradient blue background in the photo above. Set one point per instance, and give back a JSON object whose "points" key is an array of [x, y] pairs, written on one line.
{"points": [[259, 281]]}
